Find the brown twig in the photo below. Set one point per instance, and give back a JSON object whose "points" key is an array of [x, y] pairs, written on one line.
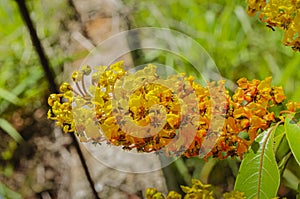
{"points": [[37, 44], [50, 78]]}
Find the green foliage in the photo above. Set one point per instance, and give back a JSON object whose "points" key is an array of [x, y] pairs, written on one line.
{"points": [[278, 137], [18, 59], [9, 96], [241, 46], [7, 193], [258, 175], [293, 136], [7, 127], [22, 81]]}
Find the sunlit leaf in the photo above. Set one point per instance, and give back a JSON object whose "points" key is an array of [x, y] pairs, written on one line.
{"points": [[10, 130], [293, 136], [259, 175]]}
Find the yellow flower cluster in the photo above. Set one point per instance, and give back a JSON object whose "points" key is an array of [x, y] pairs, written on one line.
{"points": [[62, 111], [174, 115], [283, 14], [197, 190]]}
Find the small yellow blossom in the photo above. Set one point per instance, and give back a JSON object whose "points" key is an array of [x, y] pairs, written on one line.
{"points": [[234, 195]]}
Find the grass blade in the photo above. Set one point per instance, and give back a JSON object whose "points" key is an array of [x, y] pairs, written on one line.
{"points": [[10, 130], [9, 96]]}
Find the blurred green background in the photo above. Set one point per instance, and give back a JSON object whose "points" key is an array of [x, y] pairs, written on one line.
{"points": [[240, 46]]}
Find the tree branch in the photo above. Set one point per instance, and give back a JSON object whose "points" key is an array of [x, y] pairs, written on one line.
{"points": [[50, 78]]}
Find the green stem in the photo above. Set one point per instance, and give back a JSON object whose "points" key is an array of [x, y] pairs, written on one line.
{"points": [[284, 162]]}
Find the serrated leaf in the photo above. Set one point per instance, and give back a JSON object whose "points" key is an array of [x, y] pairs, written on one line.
{"points": [[259, 175], [10, 130], [293, 137]]}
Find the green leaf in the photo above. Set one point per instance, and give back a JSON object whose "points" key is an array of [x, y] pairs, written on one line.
{"points": [[24, 85], [290, 180], [259, 175], [8, 128], [293, 137], [6, 192], [283, 149], [9, 96], [278, 137], [255, 146]]}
